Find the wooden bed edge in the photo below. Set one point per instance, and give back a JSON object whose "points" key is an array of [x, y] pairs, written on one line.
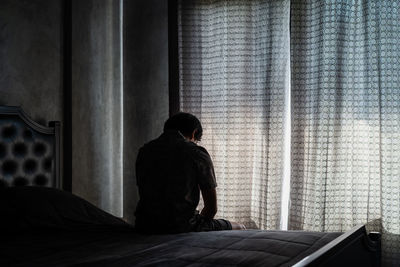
{"points": [[353, 248]]}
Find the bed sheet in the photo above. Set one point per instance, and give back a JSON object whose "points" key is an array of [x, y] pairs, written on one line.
{"points": [[126, 248]]}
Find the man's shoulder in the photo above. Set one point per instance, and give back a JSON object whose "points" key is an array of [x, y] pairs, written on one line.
{"points": [[199, 153], [199, 149]]}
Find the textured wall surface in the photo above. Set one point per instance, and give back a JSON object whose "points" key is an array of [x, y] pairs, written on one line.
{"points": [[145, 84], [31, 57], [31, 77], [96, 104]]}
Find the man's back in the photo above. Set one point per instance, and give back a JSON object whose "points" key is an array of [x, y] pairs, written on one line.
{"points": [[169, 172]]}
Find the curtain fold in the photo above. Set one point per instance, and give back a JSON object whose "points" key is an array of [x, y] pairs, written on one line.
{"points": [[234, 66], [96, 104], [346, 114]]}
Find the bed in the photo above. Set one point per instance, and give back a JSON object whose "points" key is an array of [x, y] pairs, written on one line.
{"points": [[42, 225]]}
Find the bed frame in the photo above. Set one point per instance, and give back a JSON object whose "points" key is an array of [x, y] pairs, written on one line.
{"points": [[29, 152], [30, 155], [342, 250]]}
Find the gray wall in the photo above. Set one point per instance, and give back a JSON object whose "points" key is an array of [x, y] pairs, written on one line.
{"points": [[145, 84], [97, 103], [31, 57], [31, 77]]}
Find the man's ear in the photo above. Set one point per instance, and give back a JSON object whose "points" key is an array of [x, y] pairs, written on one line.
{"points": [[193, 134]]}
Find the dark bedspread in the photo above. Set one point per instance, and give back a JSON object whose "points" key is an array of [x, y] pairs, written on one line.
{"points": [[121, 248], [49, 227]]}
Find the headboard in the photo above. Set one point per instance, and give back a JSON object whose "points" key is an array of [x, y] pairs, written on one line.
{"points": [[29, 152]]}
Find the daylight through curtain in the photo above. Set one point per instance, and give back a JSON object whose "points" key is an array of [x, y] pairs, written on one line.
{"points": [[234, 67], [341, 61], [346, 118]]}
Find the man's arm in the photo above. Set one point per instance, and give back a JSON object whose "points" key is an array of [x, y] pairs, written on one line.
{"points": [[210, 203]]}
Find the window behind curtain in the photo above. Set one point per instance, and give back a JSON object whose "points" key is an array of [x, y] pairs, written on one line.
{"points": [[234, 75], [344, 68]]}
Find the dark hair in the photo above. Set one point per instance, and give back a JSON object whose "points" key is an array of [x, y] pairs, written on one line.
{"points": [[185, 123]]}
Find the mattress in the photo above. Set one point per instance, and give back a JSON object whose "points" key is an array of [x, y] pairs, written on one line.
{"points": [[117, 247]]}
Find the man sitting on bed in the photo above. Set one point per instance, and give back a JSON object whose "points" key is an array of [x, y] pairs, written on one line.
{"points": [[171, 171]]}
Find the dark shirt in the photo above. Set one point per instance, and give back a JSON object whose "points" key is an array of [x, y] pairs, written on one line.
{"points": [[170, 171]]}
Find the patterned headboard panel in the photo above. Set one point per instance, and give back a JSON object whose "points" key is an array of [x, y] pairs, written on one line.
{"points": [[29, 152]]}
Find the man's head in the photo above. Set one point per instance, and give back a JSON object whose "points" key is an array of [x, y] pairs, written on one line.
{"points": [[187, 124]]}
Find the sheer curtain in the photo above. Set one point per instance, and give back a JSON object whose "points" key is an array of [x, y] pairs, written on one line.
{"points": [[340, 60], [346, 118], [234, 71]]}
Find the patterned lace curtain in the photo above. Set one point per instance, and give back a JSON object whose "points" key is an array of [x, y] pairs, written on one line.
{"points": [[343, 64], [345, 61], [234, 71]]}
